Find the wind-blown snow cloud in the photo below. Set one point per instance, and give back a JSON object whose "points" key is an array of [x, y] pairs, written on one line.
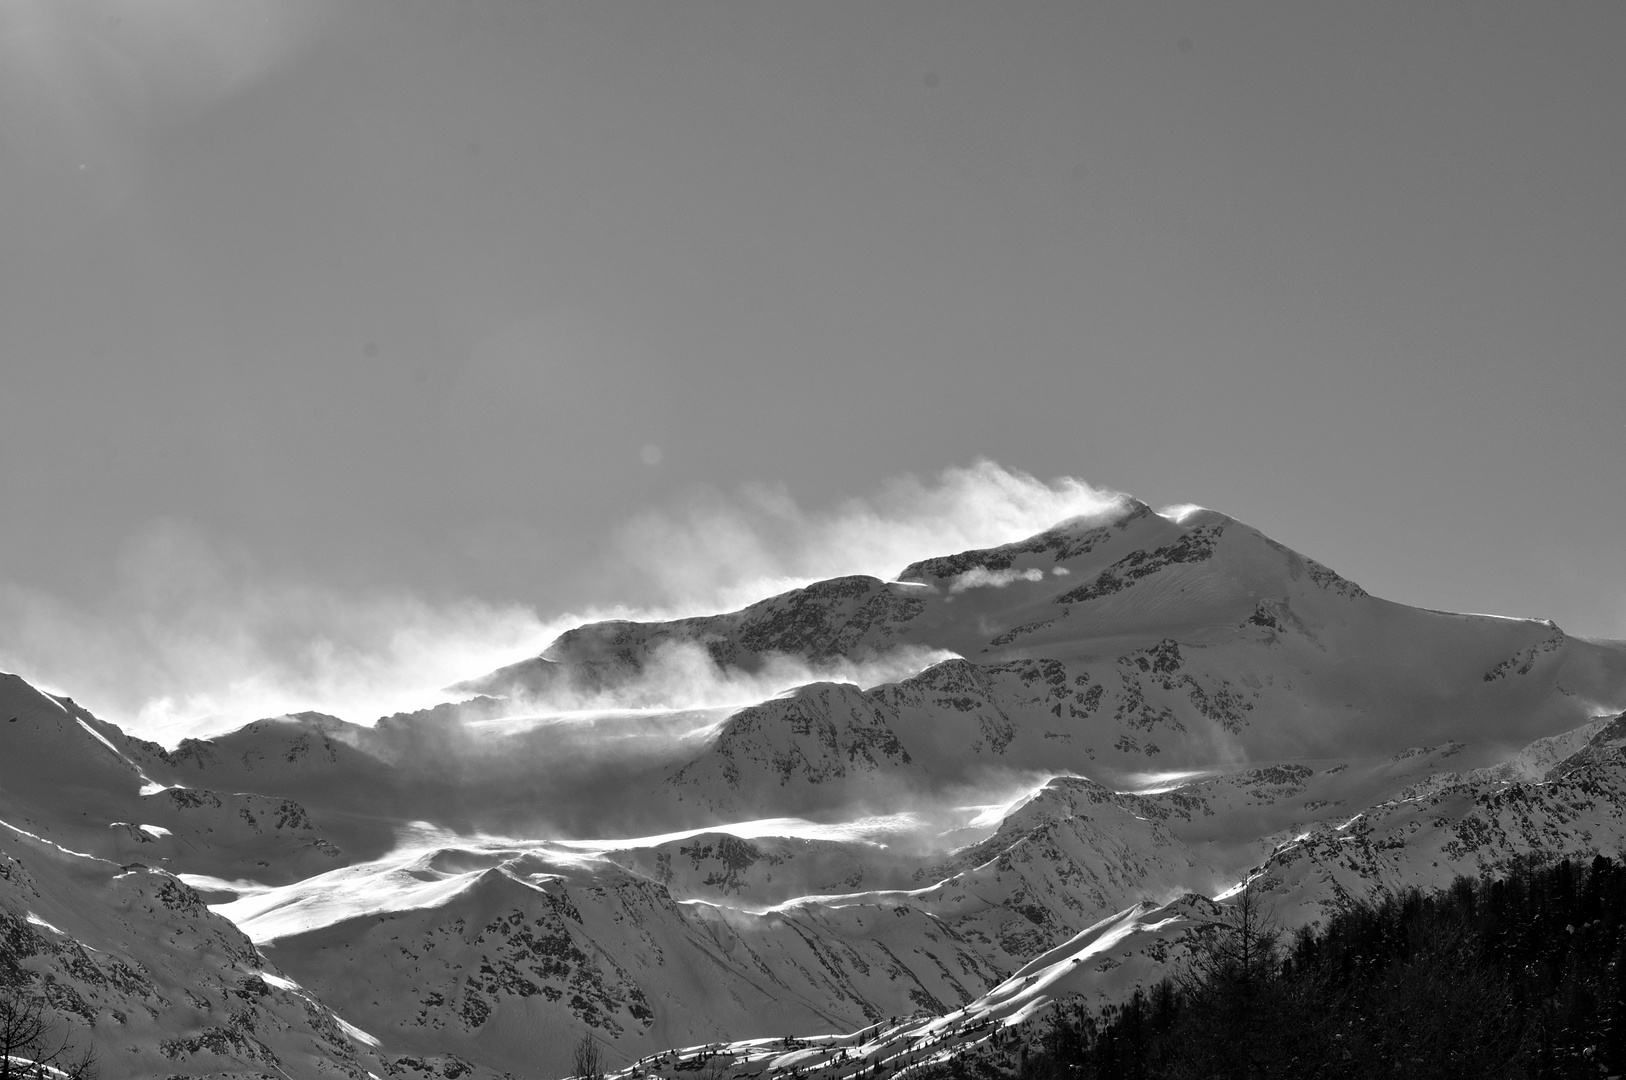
{"points": [[723, 552], [196, 636], [980, 577], [683, 675]]}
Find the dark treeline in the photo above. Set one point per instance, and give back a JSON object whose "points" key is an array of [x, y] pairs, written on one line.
{"points": [[1523, 976]]}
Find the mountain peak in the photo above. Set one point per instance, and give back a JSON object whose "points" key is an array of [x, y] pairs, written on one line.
{"points": [[1063, 540]]}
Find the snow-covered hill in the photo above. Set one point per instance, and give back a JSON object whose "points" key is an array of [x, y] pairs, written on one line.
{"points": [[865, 819]]}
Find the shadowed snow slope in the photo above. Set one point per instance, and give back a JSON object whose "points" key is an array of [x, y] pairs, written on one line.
{"points": [[883, 816]]}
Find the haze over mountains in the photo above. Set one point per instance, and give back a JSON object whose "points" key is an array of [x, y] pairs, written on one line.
{"points": [[878, 815]]}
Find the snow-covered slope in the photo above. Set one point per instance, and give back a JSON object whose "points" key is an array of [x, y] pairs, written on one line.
{"points": [[883, 817], [140, 968], [506, 955]]}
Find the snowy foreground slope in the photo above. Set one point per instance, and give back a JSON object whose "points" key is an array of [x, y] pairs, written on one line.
{"points": [[864, 820]]}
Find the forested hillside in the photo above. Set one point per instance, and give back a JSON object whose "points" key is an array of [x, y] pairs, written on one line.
{"points": [[1520, 976]]}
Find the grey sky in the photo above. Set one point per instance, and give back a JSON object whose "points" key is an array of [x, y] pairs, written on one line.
{"points": [[397, 297]]}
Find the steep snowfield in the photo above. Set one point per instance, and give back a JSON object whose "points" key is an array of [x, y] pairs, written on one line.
{"points": [[865, 820], [143, 970], [507, 963]]}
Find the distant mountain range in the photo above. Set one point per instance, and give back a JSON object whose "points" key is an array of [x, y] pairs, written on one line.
{"points": [[1007, 776]]}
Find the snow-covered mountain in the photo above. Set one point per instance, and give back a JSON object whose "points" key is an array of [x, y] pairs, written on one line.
{"points": [[857, 821]]}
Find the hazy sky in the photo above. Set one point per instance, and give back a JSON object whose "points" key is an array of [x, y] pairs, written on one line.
{"points": [[443, 314]]}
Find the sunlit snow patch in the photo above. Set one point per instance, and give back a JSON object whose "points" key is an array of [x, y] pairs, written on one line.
{"points": [[1180, 511], [859, 830], [613, 723], [99, 737], [432, 866], [241, 886], [282, 982], [989, 815], [52, 843], [1240, 887], [357, 1034], [35, 920], [149, 786], [1022, 995], [1155, 783]]}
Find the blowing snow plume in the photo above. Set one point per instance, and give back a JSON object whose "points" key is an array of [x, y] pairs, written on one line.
{"points": [[197, 636], [719, 553], [683, 675]]}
